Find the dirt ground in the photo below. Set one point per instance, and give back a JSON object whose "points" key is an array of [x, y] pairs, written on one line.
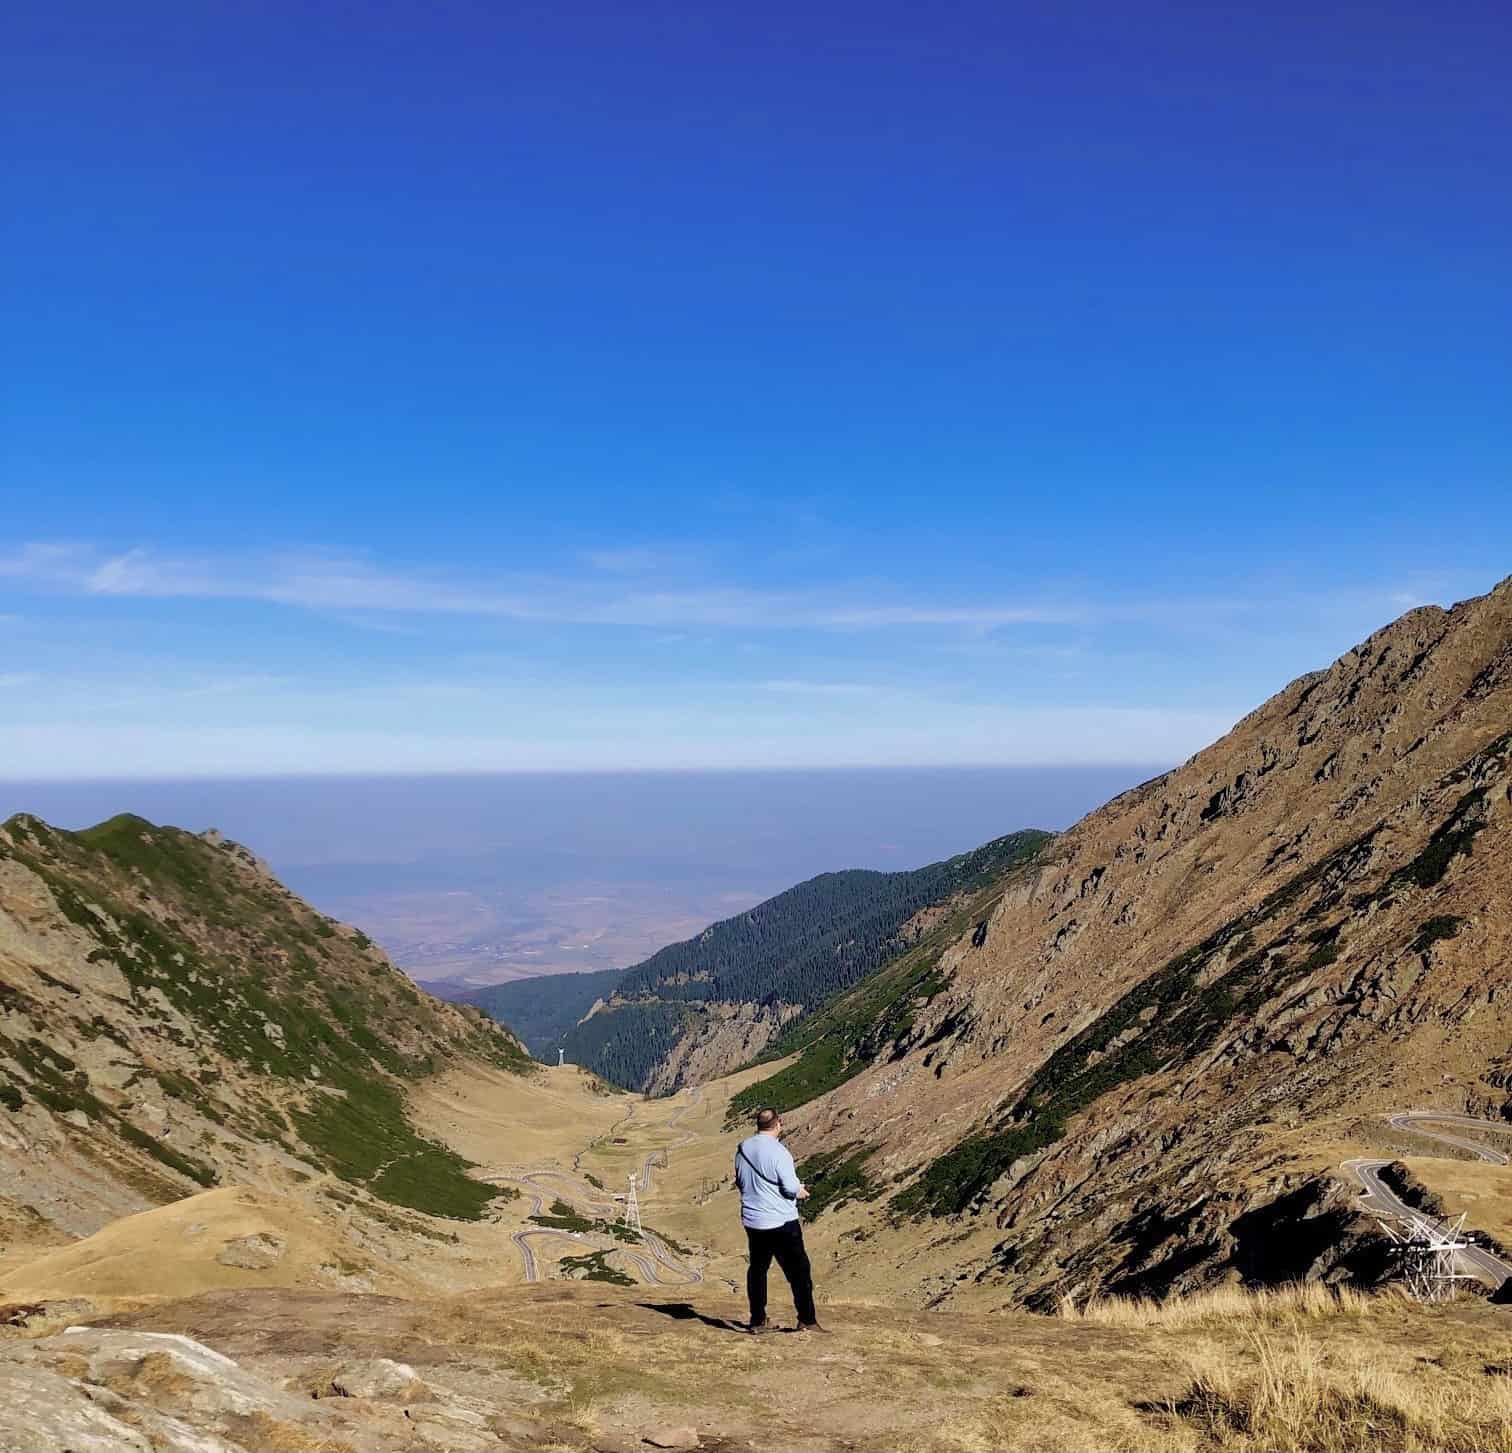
{"points": [[584, 1367]]}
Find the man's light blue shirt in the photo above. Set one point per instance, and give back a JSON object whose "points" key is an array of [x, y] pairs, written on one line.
{"points": [[768, 1182]]}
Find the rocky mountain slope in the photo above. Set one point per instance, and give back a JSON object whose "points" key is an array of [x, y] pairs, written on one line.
{"points": [[172, 1018], [1120, 1079], [698, 1009]]}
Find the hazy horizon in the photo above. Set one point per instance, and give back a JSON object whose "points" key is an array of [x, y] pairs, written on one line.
{"points": [[486, 877]]}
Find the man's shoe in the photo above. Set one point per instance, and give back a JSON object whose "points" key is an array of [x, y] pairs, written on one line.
{"points": [[757, 1328], [811, 1327]]}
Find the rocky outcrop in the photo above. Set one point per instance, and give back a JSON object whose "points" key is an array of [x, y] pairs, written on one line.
{"points": [[105, 1390], [720, 1039], [90, 1390]]}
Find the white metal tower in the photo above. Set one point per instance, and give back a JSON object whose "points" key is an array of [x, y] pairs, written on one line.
{"points": [[1429, 1252], [561, 1058], [632, 1211]]}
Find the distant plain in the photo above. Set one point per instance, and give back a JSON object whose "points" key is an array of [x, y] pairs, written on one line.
{"points": [[481, 879]]}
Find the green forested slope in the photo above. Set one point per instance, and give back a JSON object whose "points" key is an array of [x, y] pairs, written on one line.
{"points": [[818, 938], [624, 1043], [800, 948], [542, 1009]]}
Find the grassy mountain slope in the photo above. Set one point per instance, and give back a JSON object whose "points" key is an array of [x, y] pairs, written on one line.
{"points": [[171, 1017], [698, 1008], [1132, 1076]]}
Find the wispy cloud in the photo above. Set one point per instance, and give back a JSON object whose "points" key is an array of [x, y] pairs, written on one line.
{"points": [[787, 687], [633, 560], [612, 590], [710, 680], [342, 583]]}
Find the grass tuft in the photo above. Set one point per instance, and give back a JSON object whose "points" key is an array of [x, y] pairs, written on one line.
{"points": [[1224, 1305], [1296, 1394]]}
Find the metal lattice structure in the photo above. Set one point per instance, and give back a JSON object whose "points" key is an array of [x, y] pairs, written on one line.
{"points": [[1428, 1253], [632, 1211]]}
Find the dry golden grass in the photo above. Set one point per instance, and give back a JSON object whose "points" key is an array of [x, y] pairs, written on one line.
{"points": [[1295, 1393], [1229, 1305], [158, 1376], [1058, 1413], [1301, 1367], [1281, 1391], [261, 1430]]}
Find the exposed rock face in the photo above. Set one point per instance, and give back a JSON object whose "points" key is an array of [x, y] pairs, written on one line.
{"points": [[1312, 916], [722, 1039], [105, 1390], [99, 1391]]}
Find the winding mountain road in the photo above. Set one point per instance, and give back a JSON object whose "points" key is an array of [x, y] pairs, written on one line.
{"points": [[1414, 1120], [573, 1188], [1377, 1196], [528, 1259]]}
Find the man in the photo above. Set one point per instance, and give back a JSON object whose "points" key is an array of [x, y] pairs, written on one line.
{"points": [[769, 1194]]}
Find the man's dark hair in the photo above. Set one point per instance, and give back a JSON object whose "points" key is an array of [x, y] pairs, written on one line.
{"points": [[766, 1117]]}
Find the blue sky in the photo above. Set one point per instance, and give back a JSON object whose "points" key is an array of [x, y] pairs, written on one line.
{"points": [[481, 386]]}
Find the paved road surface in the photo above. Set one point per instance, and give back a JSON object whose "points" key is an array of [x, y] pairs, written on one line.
{"points": [[1377, 1196], [1414, 1120], [522, 1240]]}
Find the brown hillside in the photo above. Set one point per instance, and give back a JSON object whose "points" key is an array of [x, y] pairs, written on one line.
{"points": [[1136, 1073]]}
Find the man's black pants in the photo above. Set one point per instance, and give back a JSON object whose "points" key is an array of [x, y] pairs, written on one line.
{"points": [[786, 1244]]}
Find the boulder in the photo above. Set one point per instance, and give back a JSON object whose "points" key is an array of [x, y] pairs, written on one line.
{"points": [[378, 1377], [682, 1437], [252, 1253]]}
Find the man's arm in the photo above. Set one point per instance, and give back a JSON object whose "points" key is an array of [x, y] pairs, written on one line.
{"points": [[787, 1175]]}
